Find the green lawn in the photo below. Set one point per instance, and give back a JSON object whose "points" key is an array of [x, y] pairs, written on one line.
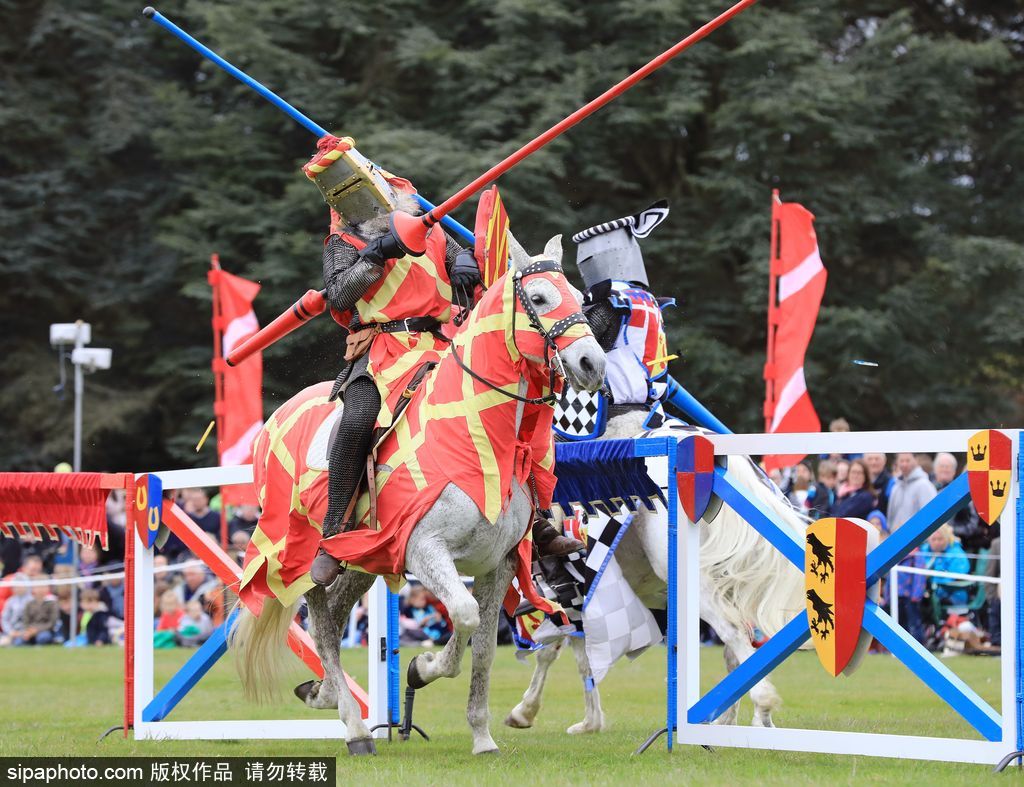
{"points": [[58, 702]]}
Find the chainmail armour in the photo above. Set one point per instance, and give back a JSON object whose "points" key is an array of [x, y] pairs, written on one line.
{"points": [[349, 450]]}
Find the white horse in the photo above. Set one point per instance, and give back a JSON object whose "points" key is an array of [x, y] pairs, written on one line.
{"points": [[526, 324], [744, 582]]}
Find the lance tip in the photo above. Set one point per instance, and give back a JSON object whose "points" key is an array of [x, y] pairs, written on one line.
{"points": [[149, 11]]}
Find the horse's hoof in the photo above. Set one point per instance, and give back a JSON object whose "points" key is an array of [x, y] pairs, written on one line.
{"points": [[412, 676], [517, 722], [304, 690], [361, 746], [495, 752], [583, 728], [325, 569]]}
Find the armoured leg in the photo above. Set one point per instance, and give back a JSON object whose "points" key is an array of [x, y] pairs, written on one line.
{"points": [[350, 448], [348, 459]]}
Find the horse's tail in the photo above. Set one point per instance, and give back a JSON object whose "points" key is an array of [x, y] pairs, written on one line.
{"points": [[258, 643], [759, 585]]}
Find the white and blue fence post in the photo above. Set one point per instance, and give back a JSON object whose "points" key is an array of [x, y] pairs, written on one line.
{"points": [[1018, 629]]}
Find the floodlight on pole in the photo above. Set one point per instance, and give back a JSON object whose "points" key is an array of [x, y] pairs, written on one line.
{"points": [[84, 359]]}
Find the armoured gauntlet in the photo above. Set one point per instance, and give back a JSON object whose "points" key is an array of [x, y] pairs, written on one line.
{"points": [[381, 248]]}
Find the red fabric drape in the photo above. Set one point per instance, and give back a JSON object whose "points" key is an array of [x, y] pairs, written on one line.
{"points": [[38, 505], [797, 284]]}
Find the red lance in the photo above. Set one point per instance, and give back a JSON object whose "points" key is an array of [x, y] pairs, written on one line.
{"points": [[411, 231]]}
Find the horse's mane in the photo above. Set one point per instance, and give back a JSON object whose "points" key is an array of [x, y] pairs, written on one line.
{"points": [[758, 583]]}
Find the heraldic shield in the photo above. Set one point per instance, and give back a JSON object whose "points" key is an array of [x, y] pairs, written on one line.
{"points": [[491, 231], [989, 462], [836, 585], [695, 478]]}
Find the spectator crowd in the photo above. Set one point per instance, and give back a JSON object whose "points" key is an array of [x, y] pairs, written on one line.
{"points": [[887, 492], [189, 601], [36, 597]]}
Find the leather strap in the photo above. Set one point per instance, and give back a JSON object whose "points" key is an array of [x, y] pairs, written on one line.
{"points": [[371, 488], [409, 325]]}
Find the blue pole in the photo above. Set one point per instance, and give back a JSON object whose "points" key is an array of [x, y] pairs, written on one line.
{"points": [[314, 128], [394, 674], [1018, 627], [698, 413], [672, 640]]}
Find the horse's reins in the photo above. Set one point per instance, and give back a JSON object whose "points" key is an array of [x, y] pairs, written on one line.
{"points": [[549, 336]]}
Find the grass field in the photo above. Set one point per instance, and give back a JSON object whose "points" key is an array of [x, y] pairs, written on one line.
{"points": [[57, 702]]}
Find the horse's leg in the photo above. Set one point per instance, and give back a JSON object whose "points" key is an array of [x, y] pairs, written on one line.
{"points": [[326, 632], [490, 591], [737, 650], [432, 564], [523, 714], [593, 720], [731, 663], [764, 695], [325, 629]]}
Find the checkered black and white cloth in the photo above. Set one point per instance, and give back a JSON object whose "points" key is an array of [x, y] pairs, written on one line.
{"points": [[615, 621], [580, 415]]}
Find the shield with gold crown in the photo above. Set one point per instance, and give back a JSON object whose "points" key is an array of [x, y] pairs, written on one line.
{"points": [[835, 581], [989, 462]]}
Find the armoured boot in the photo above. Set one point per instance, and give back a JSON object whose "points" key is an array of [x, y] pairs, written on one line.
{"points": [[325, 568], [551, 543], [347, 461]]}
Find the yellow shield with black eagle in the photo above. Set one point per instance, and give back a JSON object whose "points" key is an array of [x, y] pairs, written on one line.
{"points": [[835, 581]]}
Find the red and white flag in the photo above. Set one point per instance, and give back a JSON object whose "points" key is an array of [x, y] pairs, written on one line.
{"points": [[797, 284], [238, 405]]}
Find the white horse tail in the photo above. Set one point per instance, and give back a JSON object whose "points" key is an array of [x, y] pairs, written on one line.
{"points": [[758, 584], [258, 643]]}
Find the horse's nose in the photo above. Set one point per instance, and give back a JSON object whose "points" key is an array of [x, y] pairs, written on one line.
{"points": [[591, 368]]}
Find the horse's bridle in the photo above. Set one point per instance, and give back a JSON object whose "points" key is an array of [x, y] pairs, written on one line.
{"points": [[549, 336]]}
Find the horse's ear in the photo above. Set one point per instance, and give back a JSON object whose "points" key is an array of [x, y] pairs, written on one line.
{"points": [[520, 259], [553, 249]]}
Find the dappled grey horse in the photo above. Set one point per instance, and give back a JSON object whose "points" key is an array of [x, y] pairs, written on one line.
{"points": [[526, 324]]}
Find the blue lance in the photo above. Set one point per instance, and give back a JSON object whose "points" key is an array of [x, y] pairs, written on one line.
{"points": [[307, 123], [693, 409]]}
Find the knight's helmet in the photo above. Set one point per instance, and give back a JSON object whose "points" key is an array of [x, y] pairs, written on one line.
{"points": [[610, 250], [354, 187]]}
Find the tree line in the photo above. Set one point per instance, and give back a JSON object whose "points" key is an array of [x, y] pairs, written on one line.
{"points": [[126, 160]]}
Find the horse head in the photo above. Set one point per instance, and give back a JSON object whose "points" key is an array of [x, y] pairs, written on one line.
{"points": [[548, 328]]}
